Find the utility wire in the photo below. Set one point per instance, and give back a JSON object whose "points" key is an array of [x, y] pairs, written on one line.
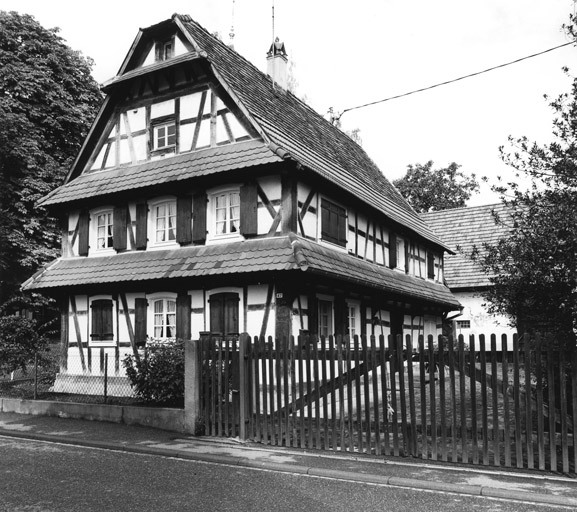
{"points": [[451, 81]]}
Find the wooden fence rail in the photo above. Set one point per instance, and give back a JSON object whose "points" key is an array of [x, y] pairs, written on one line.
{"points": [[452, 400]]}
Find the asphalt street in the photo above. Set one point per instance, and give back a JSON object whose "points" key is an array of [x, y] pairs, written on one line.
{"points": [[51, 463], [47, 476]]}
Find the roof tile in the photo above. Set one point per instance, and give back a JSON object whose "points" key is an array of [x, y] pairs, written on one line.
{"points": [[269, 254], [462, 229]]}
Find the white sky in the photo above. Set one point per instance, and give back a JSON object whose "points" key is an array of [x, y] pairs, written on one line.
{"points": [[351, 53]]}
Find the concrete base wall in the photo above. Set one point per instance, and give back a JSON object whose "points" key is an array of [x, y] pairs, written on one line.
{"points": [[156, 417]]}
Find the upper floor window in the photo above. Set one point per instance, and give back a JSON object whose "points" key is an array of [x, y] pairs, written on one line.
{"points": [[164, 218], [164, 135], [227, 213], [164, 318], [104, 229], [165, 49], [333, 223]]}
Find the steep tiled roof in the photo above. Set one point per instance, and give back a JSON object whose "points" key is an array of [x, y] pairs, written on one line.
{"points": [[181, 167], [269, 254], [462, 229], [308, 137]]}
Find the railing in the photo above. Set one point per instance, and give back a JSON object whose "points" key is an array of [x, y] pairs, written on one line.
{"points": [[45, 379], [442, 399]]}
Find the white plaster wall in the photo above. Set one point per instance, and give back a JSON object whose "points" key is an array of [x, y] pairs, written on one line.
{"points": [[72, 223], [198, 318], [481, 321], [271, 186], [256, 296]]}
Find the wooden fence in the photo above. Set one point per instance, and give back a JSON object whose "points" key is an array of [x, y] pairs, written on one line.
{"points": [[445, 400]]}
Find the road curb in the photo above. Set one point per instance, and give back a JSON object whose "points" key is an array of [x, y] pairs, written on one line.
{"points": [[360, 477]]}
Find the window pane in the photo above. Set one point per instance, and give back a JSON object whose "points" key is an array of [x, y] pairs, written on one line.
{"points": [[171, 138], [104, 230]]}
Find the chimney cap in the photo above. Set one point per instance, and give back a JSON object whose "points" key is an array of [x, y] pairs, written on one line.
{"points": [[277, 48]]}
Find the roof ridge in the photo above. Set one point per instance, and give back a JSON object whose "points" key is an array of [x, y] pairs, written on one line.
{"points": [[185, 18]]}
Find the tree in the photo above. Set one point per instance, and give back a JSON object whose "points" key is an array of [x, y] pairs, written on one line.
{"points": [[48, 100], [19, 343], [534, 270], [427, 189]]}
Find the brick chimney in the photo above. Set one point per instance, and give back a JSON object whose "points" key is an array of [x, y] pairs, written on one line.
{"points": [[277, 67]]}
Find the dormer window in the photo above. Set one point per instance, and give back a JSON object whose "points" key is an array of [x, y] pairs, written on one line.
{"points": [[165, 49], [164, 135]]}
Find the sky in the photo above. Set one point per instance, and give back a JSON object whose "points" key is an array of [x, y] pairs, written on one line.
{"points": [[347, 54]]}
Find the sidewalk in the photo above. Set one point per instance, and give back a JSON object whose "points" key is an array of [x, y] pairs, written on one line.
{"points": [[540, 488]]}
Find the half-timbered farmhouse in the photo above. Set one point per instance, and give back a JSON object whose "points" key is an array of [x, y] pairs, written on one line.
{"points": [[207, 198]]}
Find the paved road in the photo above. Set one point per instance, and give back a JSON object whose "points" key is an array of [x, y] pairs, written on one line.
{"points": [[44, 477]]}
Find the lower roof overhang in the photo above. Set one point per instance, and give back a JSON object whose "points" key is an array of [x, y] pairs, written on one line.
{"points": [[289, 255]]}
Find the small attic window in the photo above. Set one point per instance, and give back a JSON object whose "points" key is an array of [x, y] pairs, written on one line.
{"points": [[164, 135], [165, 49]]}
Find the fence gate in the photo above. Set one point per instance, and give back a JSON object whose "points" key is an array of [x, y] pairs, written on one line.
{"points": [[481, 401]]}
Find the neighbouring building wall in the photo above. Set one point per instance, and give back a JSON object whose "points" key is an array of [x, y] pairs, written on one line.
{"points": [[476, 320]]}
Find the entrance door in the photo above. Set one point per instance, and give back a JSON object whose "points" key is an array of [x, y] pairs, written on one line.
{"points": [[224, 314]]}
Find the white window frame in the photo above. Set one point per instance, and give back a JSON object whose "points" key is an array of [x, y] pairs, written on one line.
{"points": [[156, 127], [93, 231], [213, 236], [152, 227], [153, 298]]}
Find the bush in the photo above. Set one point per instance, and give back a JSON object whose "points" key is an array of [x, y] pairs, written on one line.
{"points": [[158, 376], [19, 341]]}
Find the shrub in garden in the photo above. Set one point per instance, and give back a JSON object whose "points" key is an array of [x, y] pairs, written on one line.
{"points": [[158, 375], [19, 342]]}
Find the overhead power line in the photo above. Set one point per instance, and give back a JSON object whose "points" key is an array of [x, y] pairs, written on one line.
{"points": [[451, 81]]}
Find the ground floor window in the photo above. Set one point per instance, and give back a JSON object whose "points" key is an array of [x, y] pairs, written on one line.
{"points": [[224, 313], [325, 318], [353, 321], [164, 318], [102, 327]]}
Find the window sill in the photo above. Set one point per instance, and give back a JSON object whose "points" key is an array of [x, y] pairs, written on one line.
{"points": [[224, 239], [163, 245]]}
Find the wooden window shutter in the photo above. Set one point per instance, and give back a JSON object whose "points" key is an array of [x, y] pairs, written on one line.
{"points": [[333, 223], [96, 324], [392, 250], [407, 256], [119, 228], [140, 311], [430, 265], [249, 210], [199, 218], [224, 313], [231, 302], [184, 220], [183, 306], [83, 227], [107, 325], [141, 226], [342, 227]]}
